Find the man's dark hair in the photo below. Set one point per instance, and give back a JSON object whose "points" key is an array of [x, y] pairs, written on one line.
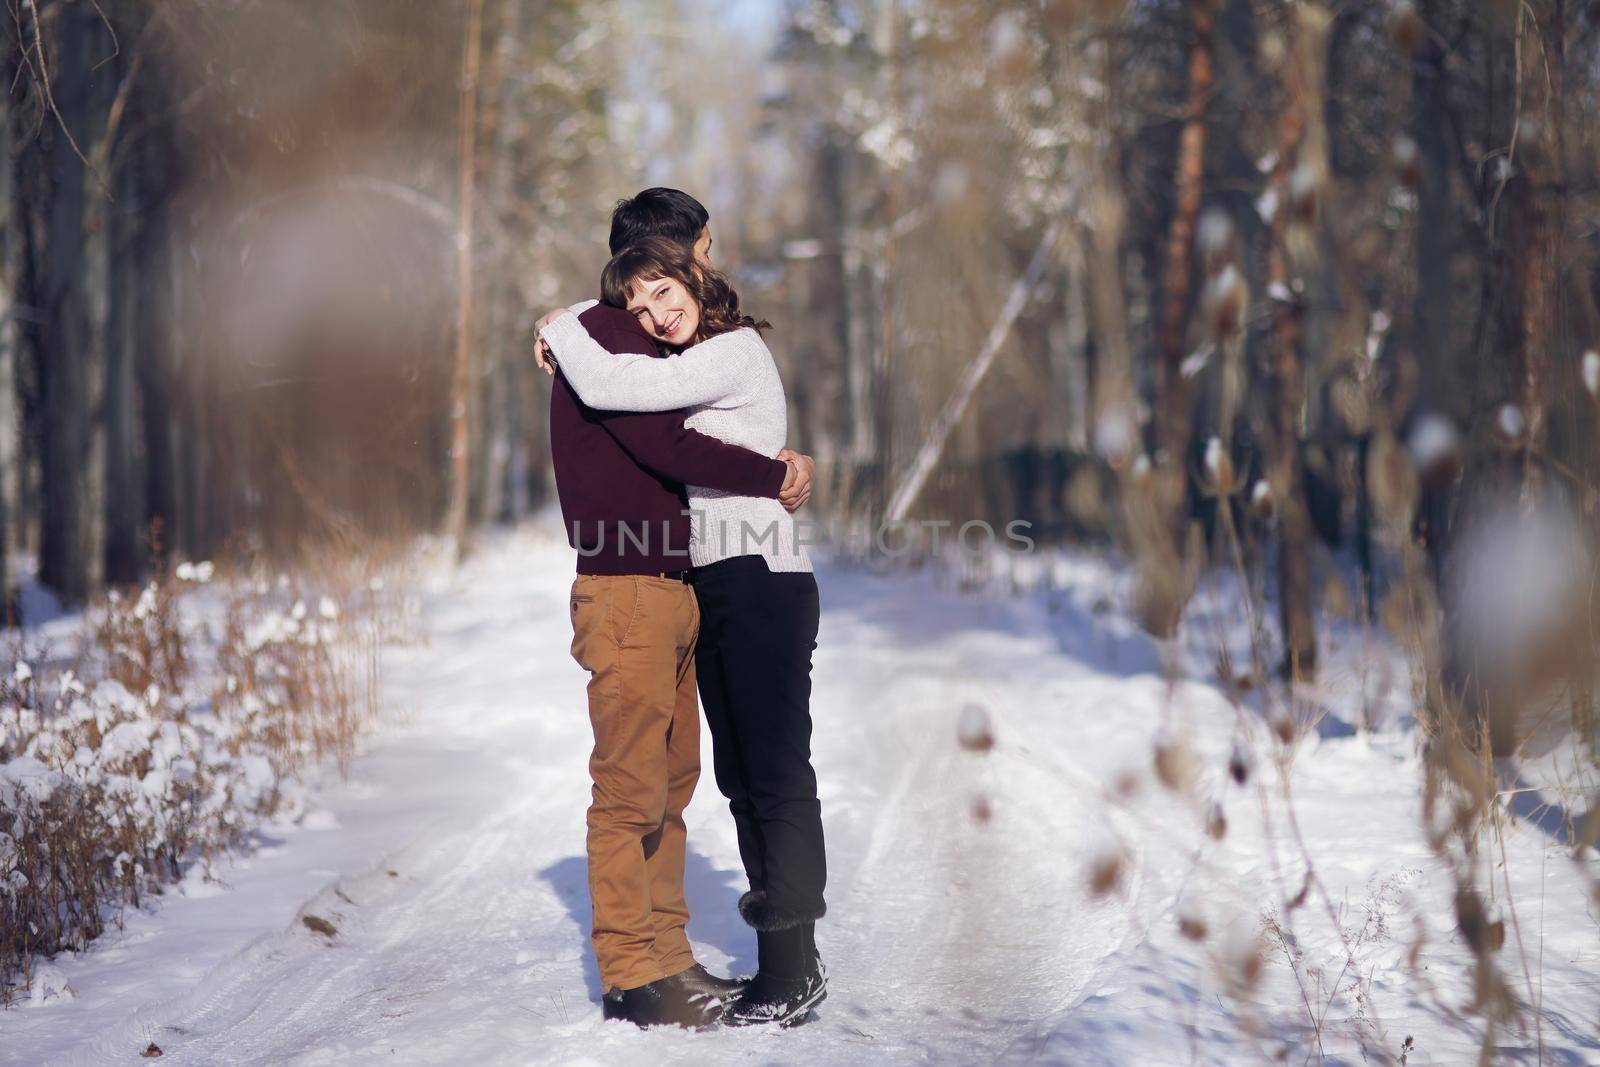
{"points": [[657, 212]]}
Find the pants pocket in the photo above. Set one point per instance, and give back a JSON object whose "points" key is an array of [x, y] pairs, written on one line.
{"points": [[622, 608], [586, 608]]}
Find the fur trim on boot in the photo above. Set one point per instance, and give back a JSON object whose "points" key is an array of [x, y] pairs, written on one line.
{"points": [[761, 915]]}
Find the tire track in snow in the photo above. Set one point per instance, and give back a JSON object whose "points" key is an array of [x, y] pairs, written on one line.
{"points": [[422, 941]]}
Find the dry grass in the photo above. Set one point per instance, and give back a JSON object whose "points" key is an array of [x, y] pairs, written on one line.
{"points": [[184, 720], [1481, 709]]}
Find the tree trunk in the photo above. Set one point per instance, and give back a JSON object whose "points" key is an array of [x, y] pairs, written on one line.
{"points": [[1072, 346], [461, 385], [192, 443], [497, 393], [1431, 325], [1173, 400], [65, 333], [122, 557], [1303, 96], [8, 356], [887, 47], [152, 173], [123, 561], [152, 336], [1541, 218], [859, 289], [827, 295]]}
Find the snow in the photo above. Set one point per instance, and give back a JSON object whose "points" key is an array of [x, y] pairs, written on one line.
{"points": [[1303, 181], [126, 741], [49, 983], [28, 778], [1215, 233], [1510, 422], [986, 762], [1115, 433], [320, 819], [1261, 495], [1433, 441], [1267, 205], [886, 140], [1219, 470], [1008, 37], [1196, 361], [199, 573]]}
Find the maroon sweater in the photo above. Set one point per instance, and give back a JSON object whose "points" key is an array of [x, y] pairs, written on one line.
{"points": [[620, 474]]}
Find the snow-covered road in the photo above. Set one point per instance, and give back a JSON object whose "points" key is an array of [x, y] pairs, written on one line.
{"points": [[451, 867]]}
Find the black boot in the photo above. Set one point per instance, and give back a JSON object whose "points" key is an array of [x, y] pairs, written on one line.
{"points": [[791, 980], [666, 1002], [812, 954]]}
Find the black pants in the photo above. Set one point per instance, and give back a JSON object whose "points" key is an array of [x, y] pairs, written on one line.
{"points": [[757, 632]]}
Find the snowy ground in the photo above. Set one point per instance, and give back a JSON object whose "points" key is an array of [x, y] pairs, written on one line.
{"points": [[451, 867]]}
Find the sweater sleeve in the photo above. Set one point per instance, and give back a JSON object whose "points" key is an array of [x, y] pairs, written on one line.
{"points": [[704, 374], [659, 442]]}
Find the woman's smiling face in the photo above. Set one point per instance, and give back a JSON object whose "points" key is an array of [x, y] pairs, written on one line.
{"points": [[666, 309]]}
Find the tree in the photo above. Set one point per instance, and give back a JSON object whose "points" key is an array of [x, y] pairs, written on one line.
{"points": [[461, 387], [61, 64]]}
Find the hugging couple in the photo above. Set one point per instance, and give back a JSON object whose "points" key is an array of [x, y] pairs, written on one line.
{"points": [[666, 401]]}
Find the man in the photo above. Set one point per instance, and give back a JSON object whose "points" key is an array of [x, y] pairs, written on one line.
{"points": [[620, 477]]}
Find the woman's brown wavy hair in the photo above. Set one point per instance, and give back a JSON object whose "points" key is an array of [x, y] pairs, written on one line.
{"points": [[651, 258]]}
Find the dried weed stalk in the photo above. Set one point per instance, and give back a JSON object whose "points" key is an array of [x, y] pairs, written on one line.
{"points": [[168, 738]]}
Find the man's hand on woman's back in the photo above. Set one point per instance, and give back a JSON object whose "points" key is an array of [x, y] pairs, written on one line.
{"points": [[797, 486]]}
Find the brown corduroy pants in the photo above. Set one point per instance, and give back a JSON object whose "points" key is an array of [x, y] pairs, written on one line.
{"points": [[635, 635]]}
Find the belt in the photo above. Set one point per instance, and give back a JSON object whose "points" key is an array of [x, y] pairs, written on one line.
{"points": [[675, 576]]}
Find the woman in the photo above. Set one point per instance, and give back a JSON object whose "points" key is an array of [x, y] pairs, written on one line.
{"points": [[758, 598]]}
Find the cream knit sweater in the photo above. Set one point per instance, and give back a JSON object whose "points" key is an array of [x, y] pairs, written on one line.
{"points": [[731, 389]]}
